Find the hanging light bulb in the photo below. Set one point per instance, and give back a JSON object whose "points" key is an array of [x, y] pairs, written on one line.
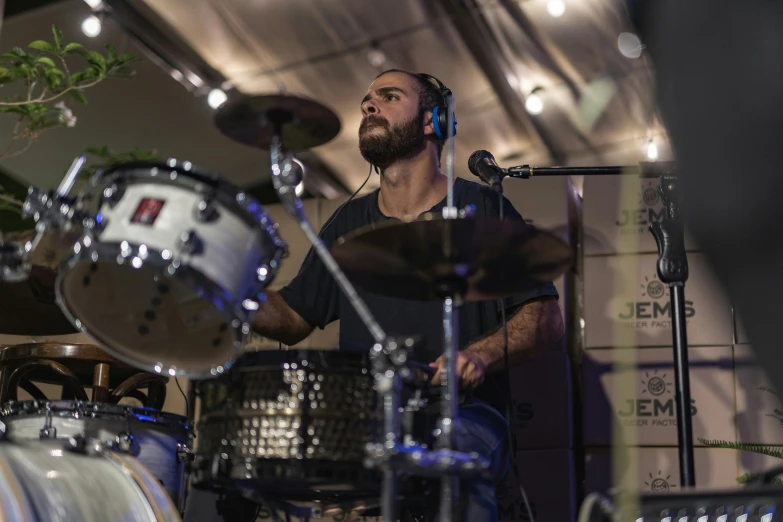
{"points": [[534, 104], [652, 150], [216, 98], [556, 8], [94, 4], [376, 56], [91, 26]]}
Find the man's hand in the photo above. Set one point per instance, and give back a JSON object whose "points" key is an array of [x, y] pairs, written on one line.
{"points": [[470, 370]]}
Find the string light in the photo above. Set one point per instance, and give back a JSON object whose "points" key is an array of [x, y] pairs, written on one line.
{"points": [[376, 56], [534, 104], [94, 4], [216, 98], [652, 150], [629, 45], [91, 26], [556, 8]]}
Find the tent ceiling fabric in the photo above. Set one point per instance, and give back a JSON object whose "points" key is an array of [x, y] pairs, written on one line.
{"points": [[595, 99]]}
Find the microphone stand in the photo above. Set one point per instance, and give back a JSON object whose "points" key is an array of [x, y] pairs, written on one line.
{"points": [[672, 270]]}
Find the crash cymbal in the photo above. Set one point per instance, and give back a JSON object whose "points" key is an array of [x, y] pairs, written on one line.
{"points": [[29, 307], [304, 123], [426, 259]]}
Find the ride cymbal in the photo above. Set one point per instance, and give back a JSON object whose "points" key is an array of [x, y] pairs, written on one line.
{"points": [[303, 123], [432, 257]]}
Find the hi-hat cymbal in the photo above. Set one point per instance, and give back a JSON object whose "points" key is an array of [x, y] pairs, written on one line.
{"points": [[29, 307], [427, 259], [252, 120]]}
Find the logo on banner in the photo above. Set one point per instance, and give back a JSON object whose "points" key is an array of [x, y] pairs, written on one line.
{"points": [[659, 484], [649, 209], [652, 310], [523, 413], [655, 406]]}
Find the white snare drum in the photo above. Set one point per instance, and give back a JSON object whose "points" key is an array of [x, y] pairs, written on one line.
{"points": [[170, 269], [42, 482], [158, 440]]}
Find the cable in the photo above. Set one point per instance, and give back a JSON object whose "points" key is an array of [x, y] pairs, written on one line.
{"points": [[331, 220], [184, 396], [512, 438]]}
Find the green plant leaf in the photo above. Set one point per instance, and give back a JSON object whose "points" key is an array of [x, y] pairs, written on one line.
{"points": [[45, 60], [751, 448], [78, 95], [54, 79], [97, 61], [42, 45], [19, 52], [122, 72], [58, 38], [111, 52], [73, 48]]}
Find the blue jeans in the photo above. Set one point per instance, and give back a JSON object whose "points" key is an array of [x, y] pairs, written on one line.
{"points": [[484, 431]]}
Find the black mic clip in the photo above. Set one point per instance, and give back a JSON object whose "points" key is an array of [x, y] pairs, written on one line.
{"points": [[522, 171]]}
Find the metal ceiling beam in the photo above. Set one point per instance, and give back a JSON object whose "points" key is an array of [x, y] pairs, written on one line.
{"points": [[554, 60], [163, 47], [481, 43]]}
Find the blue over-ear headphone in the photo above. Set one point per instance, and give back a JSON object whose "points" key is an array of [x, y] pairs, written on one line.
{"points": [[440, 114]]}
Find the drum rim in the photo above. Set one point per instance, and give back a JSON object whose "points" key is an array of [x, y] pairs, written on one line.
{"points": [[234, 198], [189, 276], [92, 409]]}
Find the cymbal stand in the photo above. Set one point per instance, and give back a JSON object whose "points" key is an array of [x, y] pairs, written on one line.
{"points": [[449, 488], [51, 211], [286, 176]]}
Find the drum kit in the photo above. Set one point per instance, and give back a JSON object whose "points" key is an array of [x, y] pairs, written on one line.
{"points": [[165, 269]]}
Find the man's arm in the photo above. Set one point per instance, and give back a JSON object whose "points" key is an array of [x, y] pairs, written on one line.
{"points": [[532, 329], [276, 320]]}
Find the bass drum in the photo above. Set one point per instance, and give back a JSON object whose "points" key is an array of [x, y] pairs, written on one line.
{"points": [[158, 440], [42, 482]]}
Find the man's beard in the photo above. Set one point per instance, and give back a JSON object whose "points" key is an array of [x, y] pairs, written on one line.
{"points": [[401, 141]]}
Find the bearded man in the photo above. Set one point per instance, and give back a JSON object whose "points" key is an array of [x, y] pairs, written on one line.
{"points": [[398, 136]]}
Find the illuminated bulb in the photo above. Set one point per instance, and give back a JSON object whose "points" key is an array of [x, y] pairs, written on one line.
{"points": [[91, 26], [534, 104], [556, 8], [652, 150], [95, 4], [703, 518], [630, 46], [767, 518], [216, 98], [376, 57]]}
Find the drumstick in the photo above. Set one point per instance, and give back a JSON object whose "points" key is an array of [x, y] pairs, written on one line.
{"points": [[11, 200]]}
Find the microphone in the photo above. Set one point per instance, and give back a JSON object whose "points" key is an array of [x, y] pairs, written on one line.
{"points": [[483, 165]]}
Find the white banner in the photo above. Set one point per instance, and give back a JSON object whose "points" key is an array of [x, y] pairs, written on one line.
{"points": [[626, 304], [646, 413]]}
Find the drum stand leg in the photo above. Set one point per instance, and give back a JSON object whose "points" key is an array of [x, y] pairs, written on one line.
{"points": [[391, 427], [449, 491]]}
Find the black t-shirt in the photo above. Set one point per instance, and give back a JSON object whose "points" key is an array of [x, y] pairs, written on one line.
{"points": [[315, 296]]}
